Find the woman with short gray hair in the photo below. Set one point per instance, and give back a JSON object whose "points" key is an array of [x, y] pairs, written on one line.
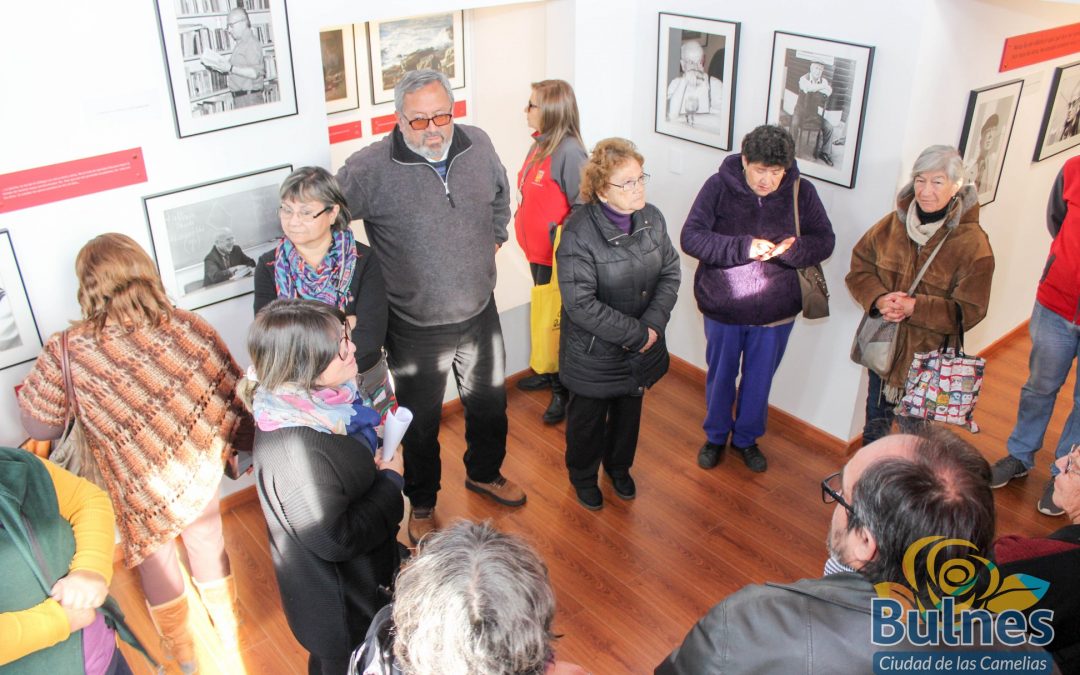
{"points": [[937, 214]]}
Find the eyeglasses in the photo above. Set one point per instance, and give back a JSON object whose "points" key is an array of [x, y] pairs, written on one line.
{"points": [[832, 489], [630, 185], [531, 106], [343, 344], [421, 123], [306, 217]]}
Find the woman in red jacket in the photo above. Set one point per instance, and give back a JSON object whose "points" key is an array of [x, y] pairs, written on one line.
{"points": [[547, 188]]}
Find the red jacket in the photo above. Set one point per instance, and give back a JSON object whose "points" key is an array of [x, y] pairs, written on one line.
{"points": [[1059, 288], [546, 190]]}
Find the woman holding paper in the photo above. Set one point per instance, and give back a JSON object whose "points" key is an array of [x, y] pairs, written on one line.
{"points": [[332, 508]]}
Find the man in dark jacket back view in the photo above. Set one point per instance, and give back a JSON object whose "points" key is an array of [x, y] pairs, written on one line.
{"points": [[897, 496]]}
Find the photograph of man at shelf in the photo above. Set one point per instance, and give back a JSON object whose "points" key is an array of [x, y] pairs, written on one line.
{"points": [[245, 67]]}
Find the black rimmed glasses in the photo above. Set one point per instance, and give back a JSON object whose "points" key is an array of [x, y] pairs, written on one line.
{"points": [[631, 185], [343, 343], [421, 123], [306, 217], [832, 490]]}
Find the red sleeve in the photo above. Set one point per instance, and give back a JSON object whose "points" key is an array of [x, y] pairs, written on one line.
{"points": [[1011, 548]]}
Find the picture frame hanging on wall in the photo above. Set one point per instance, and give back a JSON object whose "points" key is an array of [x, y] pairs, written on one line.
{"points": [[988, 125], [396, 46], [226, 66], [696, 69], [20, 339], [338, 47], [1060, 128], [206, 238], [818, 90]]}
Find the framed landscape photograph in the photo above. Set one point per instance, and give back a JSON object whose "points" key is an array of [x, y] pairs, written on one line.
{"points": [[396, 46], [1061, 120], [988, 125], [818, 90], [20, 340], [206, 238], [339, 68], [696, 66], [226, 66]]}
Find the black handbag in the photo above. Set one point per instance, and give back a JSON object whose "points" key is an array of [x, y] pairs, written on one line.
{"points": [[815, 292], [649, 366]]}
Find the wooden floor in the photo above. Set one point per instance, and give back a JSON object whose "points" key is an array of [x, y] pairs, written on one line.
{"points": [[632, 578]]}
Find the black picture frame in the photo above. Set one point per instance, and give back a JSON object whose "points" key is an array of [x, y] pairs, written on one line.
{"points": [[981, 143], [696, 104], [826, 123], [20, 338], [1060, 128], [185, 225]]}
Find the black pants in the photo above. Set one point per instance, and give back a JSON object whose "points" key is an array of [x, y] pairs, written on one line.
{"points": [[324, 666], [601, 430], [420, 358], [541, 274], [880, 415]]}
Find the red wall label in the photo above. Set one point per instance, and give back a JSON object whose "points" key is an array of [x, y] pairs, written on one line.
{"points": [[1043, 45], [345, 132], [56, 182], [385, 123]]}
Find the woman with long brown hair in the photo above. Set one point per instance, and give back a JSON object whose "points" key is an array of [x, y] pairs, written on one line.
{"points": [[548, 186], [154, 390]]}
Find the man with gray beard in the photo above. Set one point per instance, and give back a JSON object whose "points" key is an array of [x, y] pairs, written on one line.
{"points": [[435, 203]]}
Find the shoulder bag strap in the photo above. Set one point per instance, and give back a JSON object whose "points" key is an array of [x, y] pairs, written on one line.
{"points": [[69, 388], [926, 264], [795, 192]]}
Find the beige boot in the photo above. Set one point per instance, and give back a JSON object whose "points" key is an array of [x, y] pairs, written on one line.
{"points": [[219, 598], [171, 621]]}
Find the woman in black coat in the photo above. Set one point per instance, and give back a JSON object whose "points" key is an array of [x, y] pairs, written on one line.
{"points": [[332, 509], [619, 277]]}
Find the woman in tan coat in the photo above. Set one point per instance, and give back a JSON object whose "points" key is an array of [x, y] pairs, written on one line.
{"points": [[935, 206]]}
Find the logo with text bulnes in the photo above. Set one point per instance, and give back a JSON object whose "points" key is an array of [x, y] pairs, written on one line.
{"points": [[962, 600]]}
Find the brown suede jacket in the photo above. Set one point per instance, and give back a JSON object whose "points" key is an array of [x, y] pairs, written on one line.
{"points": [[886, 260]]}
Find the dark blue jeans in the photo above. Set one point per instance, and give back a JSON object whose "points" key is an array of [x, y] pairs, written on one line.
{"points": [[421, 358]]}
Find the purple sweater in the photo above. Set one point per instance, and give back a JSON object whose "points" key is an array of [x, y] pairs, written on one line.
{"points": [[729, 286]]}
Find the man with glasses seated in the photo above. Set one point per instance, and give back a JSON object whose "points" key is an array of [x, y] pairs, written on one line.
{"points": [[434, 198], [889, 496]]}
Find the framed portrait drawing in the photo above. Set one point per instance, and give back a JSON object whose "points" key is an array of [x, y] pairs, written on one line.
{"points": [[20, 340], [396, 46], [818, 90], [987, 128], [339, 68], [206, 238], [1061, 120], [696, 66], [226, 66]]}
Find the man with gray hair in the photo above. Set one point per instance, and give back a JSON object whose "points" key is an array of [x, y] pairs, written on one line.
{"points": [[694, 92], [435, 203], [225, 261]]}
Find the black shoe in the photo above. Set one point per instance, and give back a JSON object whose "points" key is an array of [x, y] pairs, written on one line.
{"points": [[755, 461], [825, 158], [556, 410], [710, 455], [535, 382], [624, 486], [590, 497]]}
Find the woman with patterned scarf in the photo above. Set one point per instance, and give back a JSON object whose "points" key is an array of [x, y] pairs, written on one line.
{"points": [[319, 259]]}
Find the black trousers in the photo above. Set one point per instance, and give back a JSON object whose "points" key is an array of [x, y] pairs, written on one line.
{"points": [[421, 358], [601, 431]]}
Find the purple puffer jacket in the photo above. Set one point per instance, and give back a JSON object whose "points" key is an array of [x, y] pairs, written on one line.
{"points": [[729, 286]]}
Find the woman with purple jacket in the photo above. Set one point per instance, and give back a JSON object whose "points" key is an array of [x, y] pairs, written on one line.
{"points": [[742, 230]]}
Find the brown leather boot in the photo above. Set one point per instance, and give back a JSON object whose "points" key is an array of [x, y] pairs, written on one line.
{"points": [[219, 599], [171, 621]]}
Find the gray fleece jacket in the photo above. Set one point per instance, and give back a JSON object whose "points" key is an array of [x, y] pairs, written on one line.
{"points": [[436, 241]]}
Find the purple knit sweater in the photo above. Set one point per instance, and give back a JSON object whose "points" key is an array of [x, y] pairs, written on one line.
{"points": [[729, 286]]}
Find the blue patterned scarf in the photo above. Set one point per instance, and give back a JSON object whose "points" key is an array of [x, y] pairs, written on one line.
{"points": [[331, 410], [330, 283]]}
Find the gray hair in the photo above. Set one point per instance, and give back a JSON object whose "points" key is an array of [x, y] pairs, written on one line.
{"points": [[293, 341], [475, 601], [943, 158], [315, 184], [418, 79]]}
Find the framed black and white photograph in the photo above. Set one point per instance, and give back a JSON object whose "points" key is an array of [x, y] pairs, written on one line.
{"points": [[696, 65], [988, 125], [226, 65], [396, 46], [1061, 120], [818, 90], [339, 68], [206, 238], [20, 340]]}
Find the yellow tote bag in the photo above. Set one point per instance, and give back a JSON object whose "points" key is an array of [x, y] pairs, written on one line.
{"points": [[544, 319]]}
